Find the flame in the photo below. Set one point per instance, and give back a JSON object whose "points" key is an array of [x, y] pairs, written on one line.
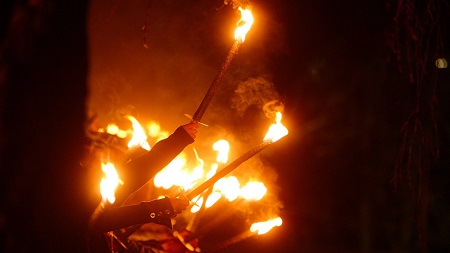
{"points": [[212, 171], [109, 183], [222, 147], [113, 129], [253, 191], [229, 187], [246, 21], [172, 174], [212, 199], [139, 137], [176, 173], [266, 226], [277, 130], [198, 202], [153, 129]]}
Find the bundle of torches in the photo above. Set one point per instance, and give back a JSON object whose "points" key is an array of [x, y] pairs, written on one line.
{"points": [[203, 189]]}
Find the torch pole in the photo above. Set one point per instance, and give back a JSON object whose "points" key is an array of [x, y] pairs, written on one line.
{"points": [[229, 168], [216, 82]]}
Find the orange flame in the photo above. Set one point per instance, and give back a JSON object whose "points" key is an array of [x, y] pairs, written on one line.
{"points": [[139, 137], [229, 187], [109, 183], [154, 131], [266, 226], [222, 147], [253, 191], [277, 130], [198, 202], [246, 21], [212, 199], [176, 173], [113, 129]]}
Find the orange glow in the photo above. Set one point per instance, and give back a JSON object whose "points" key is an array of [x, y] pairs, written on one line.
{"points": [[109, 183], [222, 147], [113, 129], [212, 171], [277, 130], [246, 22], [229, 187], [139, 137], [212, 199], [253, 191], [198, 202], [153, 129], [176, 173], [172, 174], [266, 226]]}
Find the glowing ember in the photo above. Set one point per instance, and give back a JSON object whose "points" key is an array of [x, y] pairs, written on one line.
{"points": [[266, 226], [109, 183], [139, 137], [253, 191], [246, 21], [277, 130]]}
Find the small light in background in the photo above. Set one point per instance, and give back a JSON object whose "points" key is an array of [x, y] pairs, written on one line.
{"points": [[441, 63]]}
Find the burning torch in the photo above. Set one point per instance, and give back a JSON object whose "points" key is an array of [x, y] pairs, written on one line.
{"points": [[276, 131], [244, 25]]}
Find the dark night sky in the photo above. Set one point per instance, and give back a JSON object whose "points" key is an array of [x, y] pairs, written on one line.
{"points": [[345, 104]]}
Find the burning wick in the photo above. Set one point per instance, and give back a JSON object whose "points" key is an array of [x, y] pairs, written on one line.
{"points": [[276, 131], [239, 35]]}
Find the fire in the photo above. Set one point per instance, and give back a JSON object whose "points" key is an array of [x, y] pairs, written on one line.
{"points": [[154, 129], [253, 191], [198, 202], [222, 147], [212, 199], [266, 226], [139, 137], [109, 183], [178, 174], [113, 129], [229, 187], [246, 22], [277, 130]]}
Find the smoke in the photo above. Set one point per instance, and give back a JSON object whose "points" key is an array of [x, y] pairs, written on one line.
{"points": [[237, 3], [257, 92]]}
